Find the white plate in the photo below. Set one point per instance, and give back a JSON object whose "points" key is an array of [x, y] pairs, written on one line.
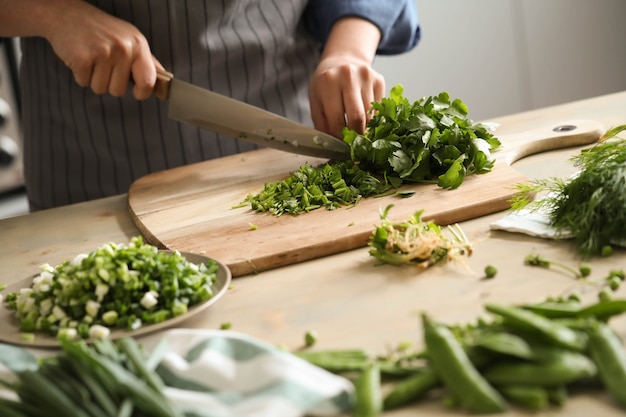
{"points": [[9, 326]]}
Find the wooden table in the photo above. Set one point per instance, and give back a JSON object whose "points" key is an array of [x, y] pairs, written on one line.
{"points": [[347, 298]]}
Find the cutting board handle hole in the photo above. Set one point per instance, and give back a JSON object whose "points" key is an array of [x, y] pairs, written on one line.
{"points": [[564, 128]]}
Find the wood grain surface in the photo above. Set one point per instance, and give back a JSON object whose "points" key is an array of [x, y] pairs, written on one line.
{"points": [[191, 208]]}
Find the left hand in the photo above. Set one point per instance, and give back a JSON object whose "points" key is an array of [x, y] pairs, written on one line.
{"points": [[341, 92], [344, 84]]}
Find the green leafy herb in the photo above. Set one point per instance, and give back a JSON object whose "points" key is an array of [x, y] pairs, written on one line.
{"points": [[590, 205], [416, 241], [429, 141]]}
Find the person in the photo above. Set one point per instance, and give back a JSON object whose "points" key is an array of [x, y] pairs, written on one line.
{"points": [[91, 125]]}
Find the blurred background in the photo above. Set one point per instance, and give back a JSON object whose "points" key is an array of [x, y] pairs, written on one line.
{"points": [[506, 56], [498, 56]]}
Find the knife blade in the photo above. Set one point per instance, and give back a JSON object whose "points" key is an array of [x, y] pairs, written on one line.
{"points": [[236, 119]]}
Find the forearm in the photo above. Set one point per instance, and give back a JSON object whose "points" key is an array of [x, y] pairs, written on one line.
{"points": [[25, 18], [353, 38]]}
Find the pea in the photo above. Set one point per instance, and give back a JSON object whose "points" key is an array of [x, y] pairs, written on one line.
{"points": [[607, 250], [490, 271], [310, 337], [614, 283], [608, 353], [585, 270], [604, 295], [451, 363]]}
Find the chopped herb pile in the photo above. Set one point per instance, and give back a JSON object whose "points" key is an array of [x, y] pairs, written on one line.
{"points": [[429, 141], [417, 241], [591, 205], [116, 286]]}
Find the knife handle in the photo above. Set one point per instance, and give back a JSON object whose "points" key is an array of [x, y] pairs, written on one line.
{"points": [[162, 86]]}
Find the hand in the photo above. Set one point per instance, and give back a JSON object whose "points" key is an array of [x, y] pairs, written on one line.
{"points": [[344, 84], [104, 52], [341, 92]]}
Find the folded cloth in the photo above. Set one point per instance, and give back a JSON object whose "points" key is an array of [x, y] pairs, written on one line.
{"points": [[218, 373], [530, 222], [535, 222]]}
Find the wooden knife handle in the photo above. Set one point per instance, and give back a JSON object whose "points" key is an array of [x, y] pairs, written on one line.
{"points": [[162, 85]]}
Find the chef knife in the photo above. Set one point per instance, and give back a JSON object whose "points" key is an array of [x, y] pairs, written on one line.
{"points": [[209, 110]]}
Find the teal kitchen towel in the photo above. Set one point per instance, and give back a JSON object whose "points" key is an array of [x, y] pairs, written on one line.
{"points": [[217, 373]]}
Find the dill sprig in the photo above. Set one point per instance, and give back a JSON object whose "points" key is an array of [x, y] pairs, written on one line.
{"points": [[590, 205]]}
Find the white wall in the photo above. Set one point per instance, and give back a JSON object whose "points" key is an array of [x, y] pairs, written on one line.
{"points": [[506, 56]]}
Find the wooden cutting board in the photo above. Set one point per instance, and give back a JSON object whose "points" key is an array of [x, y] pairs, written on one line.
{"points": [[191, 208]]}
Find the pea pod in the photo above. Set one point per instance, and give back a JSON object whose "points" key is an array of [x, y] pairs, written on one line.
{"points": [[338, 361], [561, 369], [527, 396], [459, 375], [525, 320], [554, 309], [604, 310], [609, 354], [410, 389], [369, 401], [557, 395], [503, 343]]}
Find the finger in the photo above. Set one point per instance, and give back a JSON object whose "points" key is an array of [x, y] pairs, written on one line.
{"points": [[353, 100], [378, 90], [101, 78], [331, 104], [120, 78], [317, 114], [144, 75]]}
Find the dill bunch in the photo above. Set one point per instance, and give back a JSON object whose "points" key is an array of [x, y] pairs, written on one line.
{"points": [[592, 204]]}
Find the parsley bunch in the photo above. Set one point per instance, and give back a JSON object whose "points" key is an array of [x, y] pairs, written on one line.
{"points": [[429, 141]]}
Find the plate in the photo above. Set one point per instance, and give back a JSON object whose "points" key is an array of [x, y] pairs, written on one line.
{"points": [[9, 327]]}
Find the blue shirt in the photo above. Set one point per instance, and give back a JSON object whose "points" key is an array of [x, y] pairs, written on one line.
{"points": [[397, 20]]}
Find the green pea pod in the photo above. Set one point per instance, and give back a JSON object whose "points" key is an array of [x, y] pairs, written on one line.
{"points": [[555, 310], [527, 396], [459, 375], [526, 320], [558, 370], [369, 402], [410, 389], [557, 395], [337, 361], [504, 343], [604, 310], [608, 353]]}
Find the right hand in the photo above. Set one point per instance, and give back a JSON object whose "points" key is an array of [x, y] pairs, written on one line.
{"points": [[104, 53]]}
